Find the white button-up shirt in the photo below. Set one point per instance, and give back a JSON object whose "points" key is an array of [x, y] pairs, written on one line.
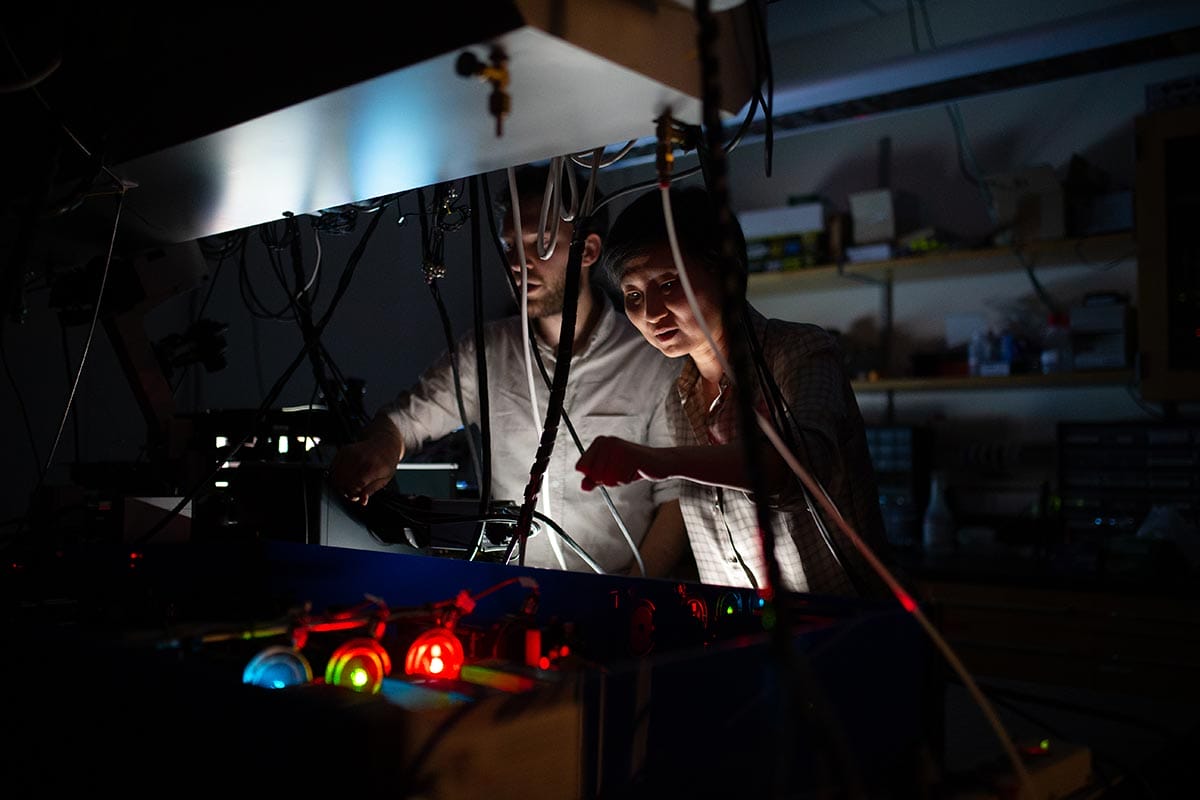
{"points": [[616, 386]]}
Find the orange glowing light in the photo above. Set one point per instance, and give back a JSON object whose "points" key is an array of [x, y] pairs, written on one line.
{"points": [[436, 653]]}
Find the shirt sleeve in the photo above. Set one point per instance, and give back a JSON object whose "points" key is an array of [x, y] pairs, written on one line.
{"points": [[429, 409], [661, 432], [807, 368]]}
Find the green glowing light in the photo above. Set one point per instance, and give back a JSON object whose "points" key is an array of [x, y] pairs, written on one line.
{"points": [[1044, 744], [359, 677], [728, 609]]}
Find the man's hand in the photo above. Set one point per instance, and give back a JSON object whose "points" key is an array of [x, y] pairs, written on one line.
{"points": [[361, 469], [610, 461]]}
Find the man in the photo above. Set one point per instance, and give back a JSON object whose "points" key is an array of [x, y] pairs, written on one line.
{"points": [[616, 385]]}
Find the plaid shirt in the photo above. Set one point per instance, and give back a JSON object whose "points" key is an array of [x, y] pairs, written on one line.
{"points": [[722, 524]]}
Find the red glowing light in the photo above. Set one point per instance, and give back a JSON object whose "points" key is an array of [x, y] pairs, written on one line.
{"points": [[544, 663], [564, 651], [436, 653]]}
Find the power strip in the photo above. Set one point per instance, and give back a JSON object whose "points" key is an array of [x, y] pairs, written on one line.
{"points": [[1057, 769]]}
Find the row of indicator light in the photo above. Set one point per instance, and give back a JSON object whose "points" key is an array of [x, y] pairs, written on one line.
{"points": [[360, 664], [731, 603]]}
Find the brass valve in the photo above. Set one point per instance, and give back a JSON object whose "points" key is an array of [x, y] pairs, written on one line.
{"points": [[497, 75]]}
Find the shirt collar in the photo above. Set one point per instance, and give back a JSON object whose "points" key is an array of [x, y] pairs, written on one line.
{"points": [[689, 376], [605, 327]]}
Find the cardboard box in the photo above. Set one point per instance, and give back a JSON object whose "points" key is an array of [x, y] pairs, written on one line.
{"points": [[1028, 204], [881, 215], [768, 223]]}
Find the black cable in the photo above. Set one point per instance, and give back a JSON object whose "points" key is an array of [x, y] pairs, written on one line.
{"points": [[755, 101], [348, 407], [432, 256], [734, 292], [302, 309], [781, 418], [1163, 732], [33, 448], [762, 50], [546, 378], [212, 284], [277, 388], [485, 449], [1098, 755], [733, 284], [250, 297], [562, 368]]}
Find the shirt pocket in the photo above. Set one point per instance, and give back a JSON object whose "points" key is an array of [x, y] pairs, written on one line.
{"points": [[623, 426]]}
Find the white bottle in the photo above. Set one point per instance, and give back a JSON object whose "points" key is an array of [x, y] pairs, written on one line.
{"points": [[937, 529], [1056, 345]]}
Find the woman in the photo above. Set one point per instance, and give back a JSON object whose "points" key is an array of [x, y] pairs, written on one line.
{"points": [[799, 382]]}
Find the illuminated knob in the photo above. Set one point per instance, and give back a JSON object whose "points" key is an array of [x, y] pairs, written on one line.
{"points": [[359, 664], [641, 628], [277, 667], [729, 604], [436, 653], [698, 609]]}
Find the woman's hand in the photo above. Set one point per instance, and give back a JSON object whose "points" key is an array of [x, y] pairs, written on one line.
{"points": [[610, 461]]}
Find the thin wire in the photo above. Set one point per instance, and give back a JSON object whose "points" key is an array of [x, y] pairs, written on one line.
{"points": [[690, 171], [551, 198], [1043, 295], [66, 351], [571, 543], [31, 81], [276, 389], [624, 151], [906, 600], [121, 184], [317, 266], [967, 163], [91, 333]]}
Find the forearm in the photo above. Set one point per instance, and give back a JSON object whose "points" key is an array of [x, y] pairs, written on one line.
{"points": [[724, 465], [383, 433]]}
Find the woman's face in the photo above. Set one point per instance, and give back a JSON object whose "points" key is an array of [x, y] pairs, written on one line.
{"points": [[657, 305]]}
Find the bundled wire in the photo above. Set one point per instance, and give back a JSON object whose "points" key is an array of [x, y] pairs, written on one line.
{"points": [[547, 381], [562, 365], [277, 388], [433, 268]]}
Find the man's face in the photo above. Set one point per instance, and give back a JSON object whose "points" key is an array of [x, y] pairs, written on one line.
{"points": [[546, 279]]}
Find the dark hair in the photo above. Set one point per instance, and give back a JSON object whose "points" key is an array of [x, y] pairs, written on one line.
{"points": [[531, 188], [642, 226]]}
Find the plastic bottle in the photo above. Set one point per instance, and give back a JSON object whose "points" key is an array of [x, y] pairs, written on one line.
{"points": [[1056, 344], [979, 351], [937, 527]]}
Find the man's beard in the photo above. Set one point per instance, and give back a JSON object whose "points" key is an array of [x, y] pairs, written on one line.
{"points": [[549, 303]]}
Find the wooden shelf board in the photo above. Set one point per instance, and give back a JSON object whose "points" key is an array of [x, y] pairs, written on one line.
{"points": [[1116, 377], [1097, 251]]}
